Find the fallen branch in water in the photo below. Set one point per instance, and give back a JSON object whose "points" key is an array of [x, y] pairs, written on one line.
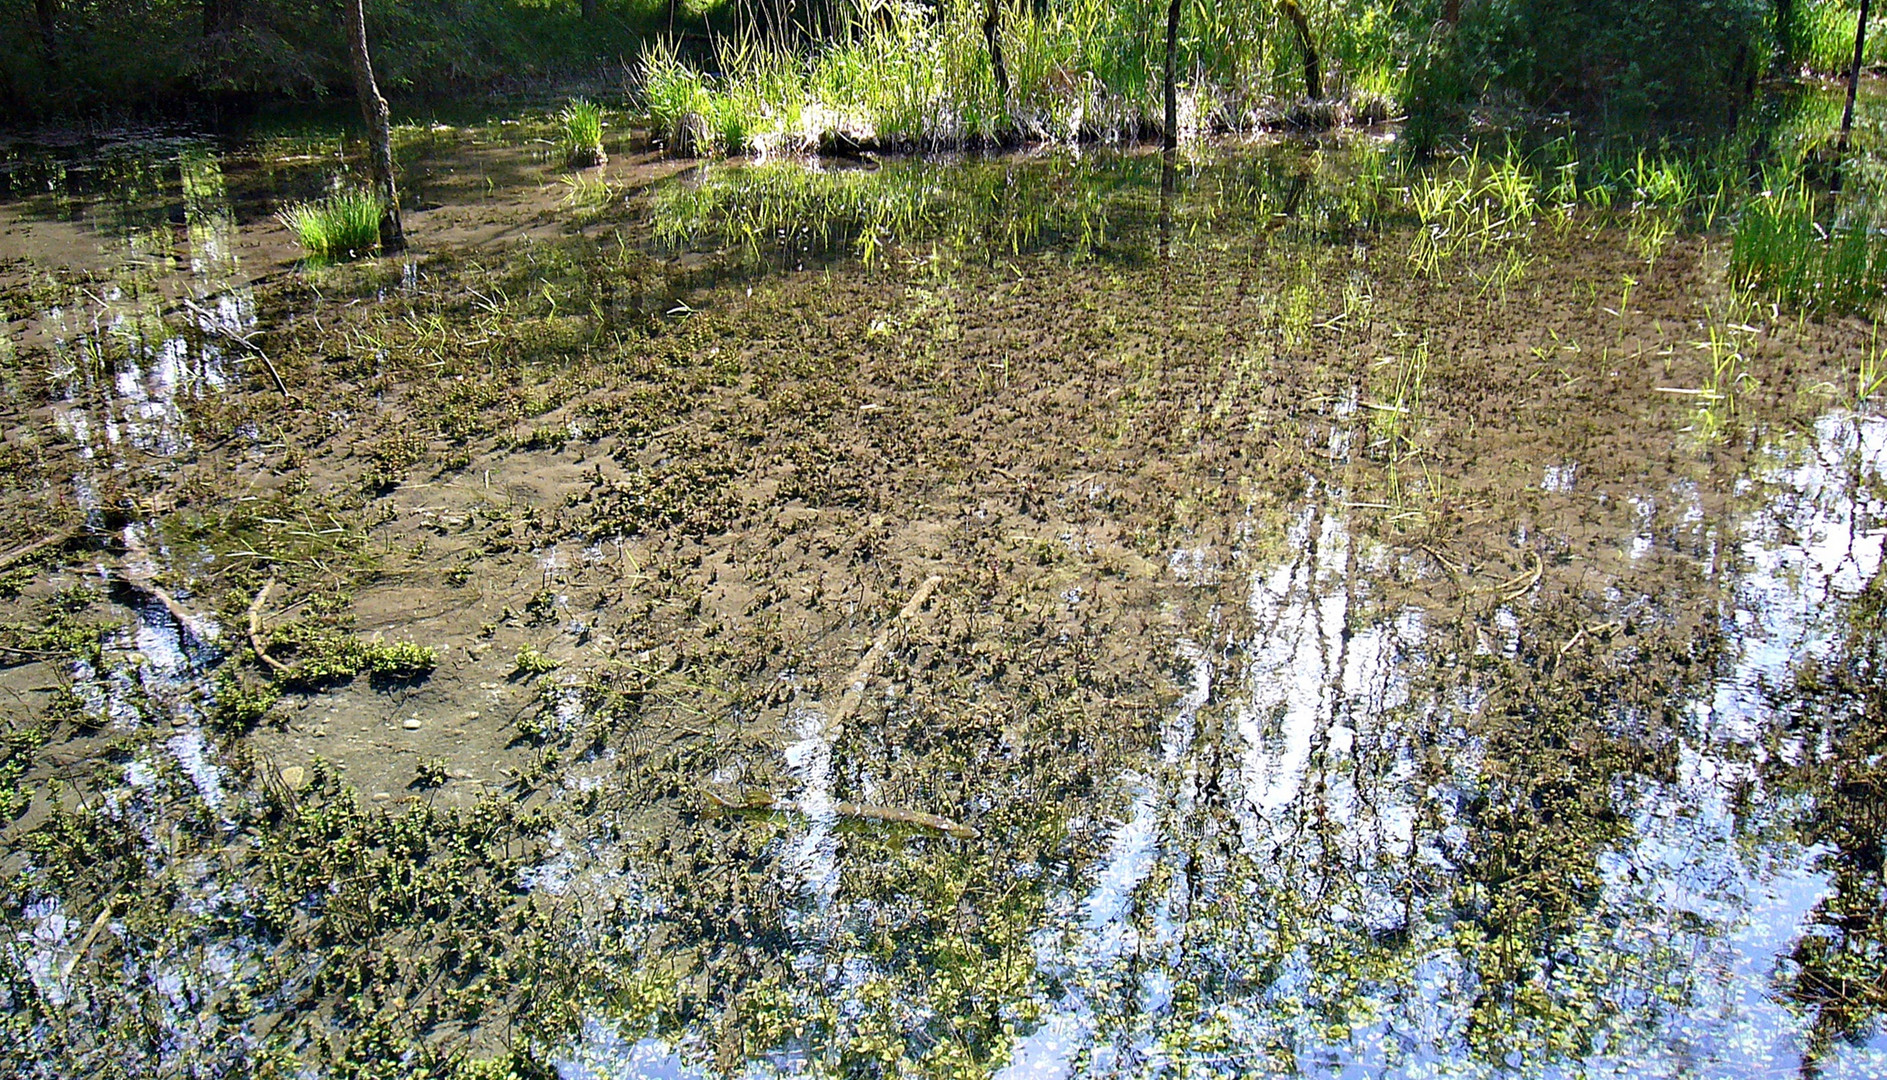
{"points": [[855, 682], [143, 582], [255, 629], [20, 554], [861, 811], [210, 325]]}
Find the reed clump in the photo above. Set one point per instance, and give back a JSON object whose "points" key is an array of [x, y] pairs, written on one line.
{"points": [[340, 226], [581, 136], [1781, 247]]}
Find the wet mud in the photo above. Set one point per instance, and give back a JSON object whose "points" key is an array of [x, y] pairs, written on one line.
{"points": [[1336, 664]]}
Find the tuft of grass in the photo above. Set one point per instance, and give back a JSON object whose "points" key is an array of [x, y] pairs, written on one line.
{"points": [[581, 135], [1782, 248], [676, 97], [342, 225]]}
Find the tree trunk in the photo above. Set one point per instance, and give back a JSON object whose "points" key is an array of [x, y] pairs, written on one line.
{"points": [[1313, 78], [673, 6], [1170, 137], [992, 33], [1854, 78], [1785, 36], [589, 10], [373, 109], [1451, 12], [48, 13]]}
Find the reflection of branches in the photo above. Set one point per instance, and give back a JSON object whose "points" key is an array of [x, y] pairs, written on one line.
{"points": [[1839, 969]]}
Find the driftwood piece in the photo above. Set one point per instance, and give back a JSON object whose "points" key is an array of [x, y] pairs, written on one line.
{"points": [[255, 629], [143, 582], [835, 722]]}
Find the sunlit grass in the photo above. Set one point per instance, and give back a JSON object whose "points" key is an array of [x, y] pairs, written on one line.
{"points": [[581, 133], [1077, 70], [1782, 247], [343, 224]]}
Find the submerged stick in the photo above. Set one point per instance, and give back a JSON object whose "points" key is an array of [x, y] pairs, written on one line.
{"points": [[255, 629], [861, 811], [20, 554], [1516, 587], [143, 582], [867, 667]]}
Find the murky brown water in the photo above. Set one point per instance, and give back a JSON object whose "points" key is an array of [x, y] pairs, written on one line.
{"points": [[1347, 669]]}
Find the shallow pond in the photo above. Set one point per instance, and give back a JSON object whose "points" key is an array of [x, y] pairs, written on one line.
{"points": [[1048, 616]]}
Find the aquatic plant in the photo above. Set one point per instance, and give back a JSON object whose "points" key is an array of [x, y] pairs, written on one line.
{"points": [[1727, 380], [344, 224], [580, 134], [676, 98], [1782, 248], [1076, 70], [532, 662]]}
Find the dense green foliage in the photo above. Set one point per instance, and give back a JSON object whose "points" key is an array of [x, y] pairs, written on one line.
{"points": [[136, 55]]}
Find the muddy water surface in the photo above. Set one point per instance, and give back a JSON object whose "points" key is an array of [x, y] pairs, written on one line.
{"points": [[1045, 617]]}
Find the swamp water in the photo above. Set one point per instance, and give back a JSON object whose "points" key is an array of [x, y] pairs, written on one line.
{"points": [[1218, 619]]}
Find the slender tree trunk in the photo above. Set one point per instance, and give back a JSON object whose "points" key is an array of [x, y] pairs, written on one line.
{"points": [[992, 33], [1451, 12], [1854, 79], [373, 109], [48, 14], [1170, 137], [1313, 78], [589, 10], [672, 6]]}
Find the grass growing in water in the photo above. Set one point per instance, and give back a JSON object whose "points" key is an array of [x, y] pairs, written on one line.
{"points": [[581, 138], [1781, 248], [343, 224]]}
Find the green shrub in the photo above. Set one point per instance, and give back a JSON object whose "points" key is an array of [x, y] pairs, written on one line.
{"points": [[344, 224]]}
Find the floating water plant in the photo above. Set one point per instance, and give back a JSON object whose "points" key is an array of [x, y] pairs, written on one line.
{"points": [[582, 134], [344, 224]]}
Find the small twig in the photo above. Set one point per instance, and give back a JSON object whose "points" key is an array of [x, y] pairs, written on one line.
{"points": [[255, 629], [855, 682], [144, 583], [91, 935], [1516, 587], [209, 325], [1453, 568]]}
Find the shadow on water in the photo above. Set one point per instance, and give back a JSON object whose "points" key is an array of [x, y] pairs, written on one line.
{"points": [[1375, 637]]}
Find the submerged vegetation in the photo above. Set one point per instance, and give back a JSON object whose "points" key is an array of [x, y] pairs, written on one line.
{"points": [[1394, 600]]}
